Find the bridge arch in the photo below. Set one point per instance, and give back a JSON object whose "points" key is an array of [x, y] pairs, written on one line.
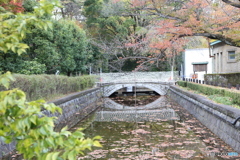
{"points": [[157, 87]]}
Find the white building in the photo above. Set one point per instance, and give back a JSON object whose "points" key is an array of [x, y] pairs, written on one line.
{"points": [[196, 63]]}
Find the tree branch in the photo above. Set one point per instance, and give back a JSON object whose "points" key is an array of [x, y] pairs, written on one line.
{"points": [[234, 4], [220, 37]]}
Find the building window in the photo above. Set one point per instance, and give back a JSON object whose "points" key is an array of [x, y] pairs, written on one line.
{"points": [[231, 55], [199, 66]]}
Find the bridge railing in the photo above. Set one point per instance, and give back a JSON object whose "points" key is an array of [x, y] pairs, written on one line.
{"points": [[138, 77]]}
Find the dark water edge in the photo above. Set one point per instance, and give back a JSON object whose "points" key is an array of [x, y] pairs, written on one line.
{"points": [[164, 139]]}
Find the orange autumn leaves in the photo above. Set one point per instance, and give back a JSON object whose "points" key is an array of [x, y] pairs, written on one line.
{"points": [[176, 19]]}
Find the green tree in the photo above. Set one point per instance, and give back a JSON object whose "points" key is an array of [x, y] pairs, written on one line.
{"points": [[71, 44], [97, 61], [23, 121], [13, 27], [42, 49], [114, 26], [64, 48], [32, 67], [107, 20], [29, 5], [72, 9]]}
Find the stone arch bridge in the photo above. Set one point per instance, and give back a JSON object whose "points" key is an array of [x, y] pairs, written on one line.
{"points": [[156, 81], [159, 87]]}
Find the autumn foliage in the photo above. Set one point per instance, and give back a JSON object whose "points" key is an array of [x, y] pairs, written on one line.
{"points": [[14, 6], [176, 19], [162, 28]]}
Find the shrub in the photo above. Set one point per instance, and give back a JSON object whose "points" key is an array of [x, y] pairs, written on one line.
{"points": [[45, 86], [225, 78], [32, 67], [182, 83], [213, 90]]}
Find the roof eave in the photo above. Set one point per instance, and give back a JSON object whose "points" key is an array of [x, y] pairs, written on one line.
{"points": [[215, 42]]}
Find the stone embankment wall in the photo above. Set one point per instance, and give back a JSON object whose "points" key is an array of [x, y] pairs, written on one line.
{"points": [[74, 108], [218, 118]]}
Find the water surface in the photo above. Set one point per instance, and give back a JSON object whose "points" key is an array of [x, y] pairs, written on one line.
{"points": [[163, 132]]}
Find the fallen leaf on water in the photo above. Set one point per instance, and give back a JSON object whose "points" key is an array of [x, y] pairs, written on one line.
{"points": [[140, 131]]}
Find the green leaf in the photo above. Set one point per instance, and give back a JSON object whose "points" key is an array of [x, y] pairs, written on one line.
{"points": [[42, 131], [97, 144], [27, 142], [20, 51], [72, 155], [33, 119], [8, 140], [50, 141], [23, 46], [78, 134], [2, 133], [9, 45], [5, 79], [64, 129], [60, 141], [55, 155], [97, 137], [66, 133]]}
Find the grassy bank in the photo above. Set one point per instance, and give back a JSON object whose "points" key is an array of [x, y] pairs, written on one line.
{"points": [[217, 94]]}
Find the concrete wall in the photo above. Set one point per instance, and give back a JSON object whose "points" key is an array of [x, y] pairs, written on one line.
{"points": [[196, 55], [218, 118], [74, 108]]}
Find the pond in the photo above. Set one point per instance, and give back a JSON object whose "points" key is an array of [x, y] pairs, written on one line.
{"points": [[163, 131]]}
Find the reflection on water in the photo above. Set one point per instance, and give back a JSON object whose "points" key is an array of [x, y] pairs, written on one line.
{"points": [[158, 133], [135, 101], [156, 103]]}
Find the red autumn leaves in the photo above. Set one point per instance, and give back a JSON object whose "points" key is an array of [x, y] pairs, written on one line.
{"points": [[14, 6]]}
